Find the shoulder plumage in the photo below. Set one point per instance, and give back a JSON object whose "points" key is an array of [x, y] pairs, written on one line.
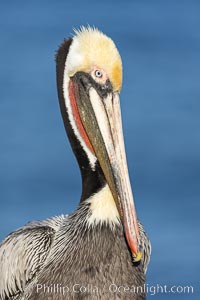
{"points": [[23, 253]]}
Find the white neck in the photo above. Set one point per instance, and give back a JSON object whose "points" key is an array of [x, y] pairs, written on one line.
{"points": [[103, 208]]}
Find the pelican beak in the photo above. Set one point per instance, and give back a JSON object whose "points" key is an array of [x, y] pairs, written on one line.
{"points": [[99, 110]]}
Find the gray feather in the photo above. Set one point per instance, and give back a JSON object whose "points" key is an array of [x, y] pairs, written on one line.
{"points": [[23, 253]]}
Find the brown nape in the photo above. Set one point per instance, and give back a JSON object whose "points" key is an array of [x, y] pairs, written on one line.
{"points": [[92, 180], [62, 51]]}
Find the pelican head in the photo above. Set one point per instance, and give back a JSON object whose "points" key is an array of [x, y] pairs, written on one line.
{"points": [[89, 77]]}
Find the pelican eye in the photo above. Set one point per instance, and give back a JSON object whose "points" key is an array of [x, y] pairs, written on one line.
{"points": [[98, 74]]}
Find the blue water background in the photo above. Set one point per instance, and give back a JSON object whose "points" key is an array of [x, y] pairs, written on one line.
{"points": [[159, 42]]}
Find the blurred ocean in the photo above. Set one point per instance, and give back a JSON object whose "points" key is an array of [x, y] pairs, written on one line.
{"points": [[159, 42]]}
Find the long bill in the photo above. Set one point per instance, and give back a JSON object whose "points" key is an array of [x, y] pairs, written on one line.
{"points": [[101, 118]]}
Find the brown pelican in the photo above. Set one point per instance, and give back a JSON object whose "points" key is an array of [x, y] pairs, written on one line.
{"points": [[101, 250]]}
